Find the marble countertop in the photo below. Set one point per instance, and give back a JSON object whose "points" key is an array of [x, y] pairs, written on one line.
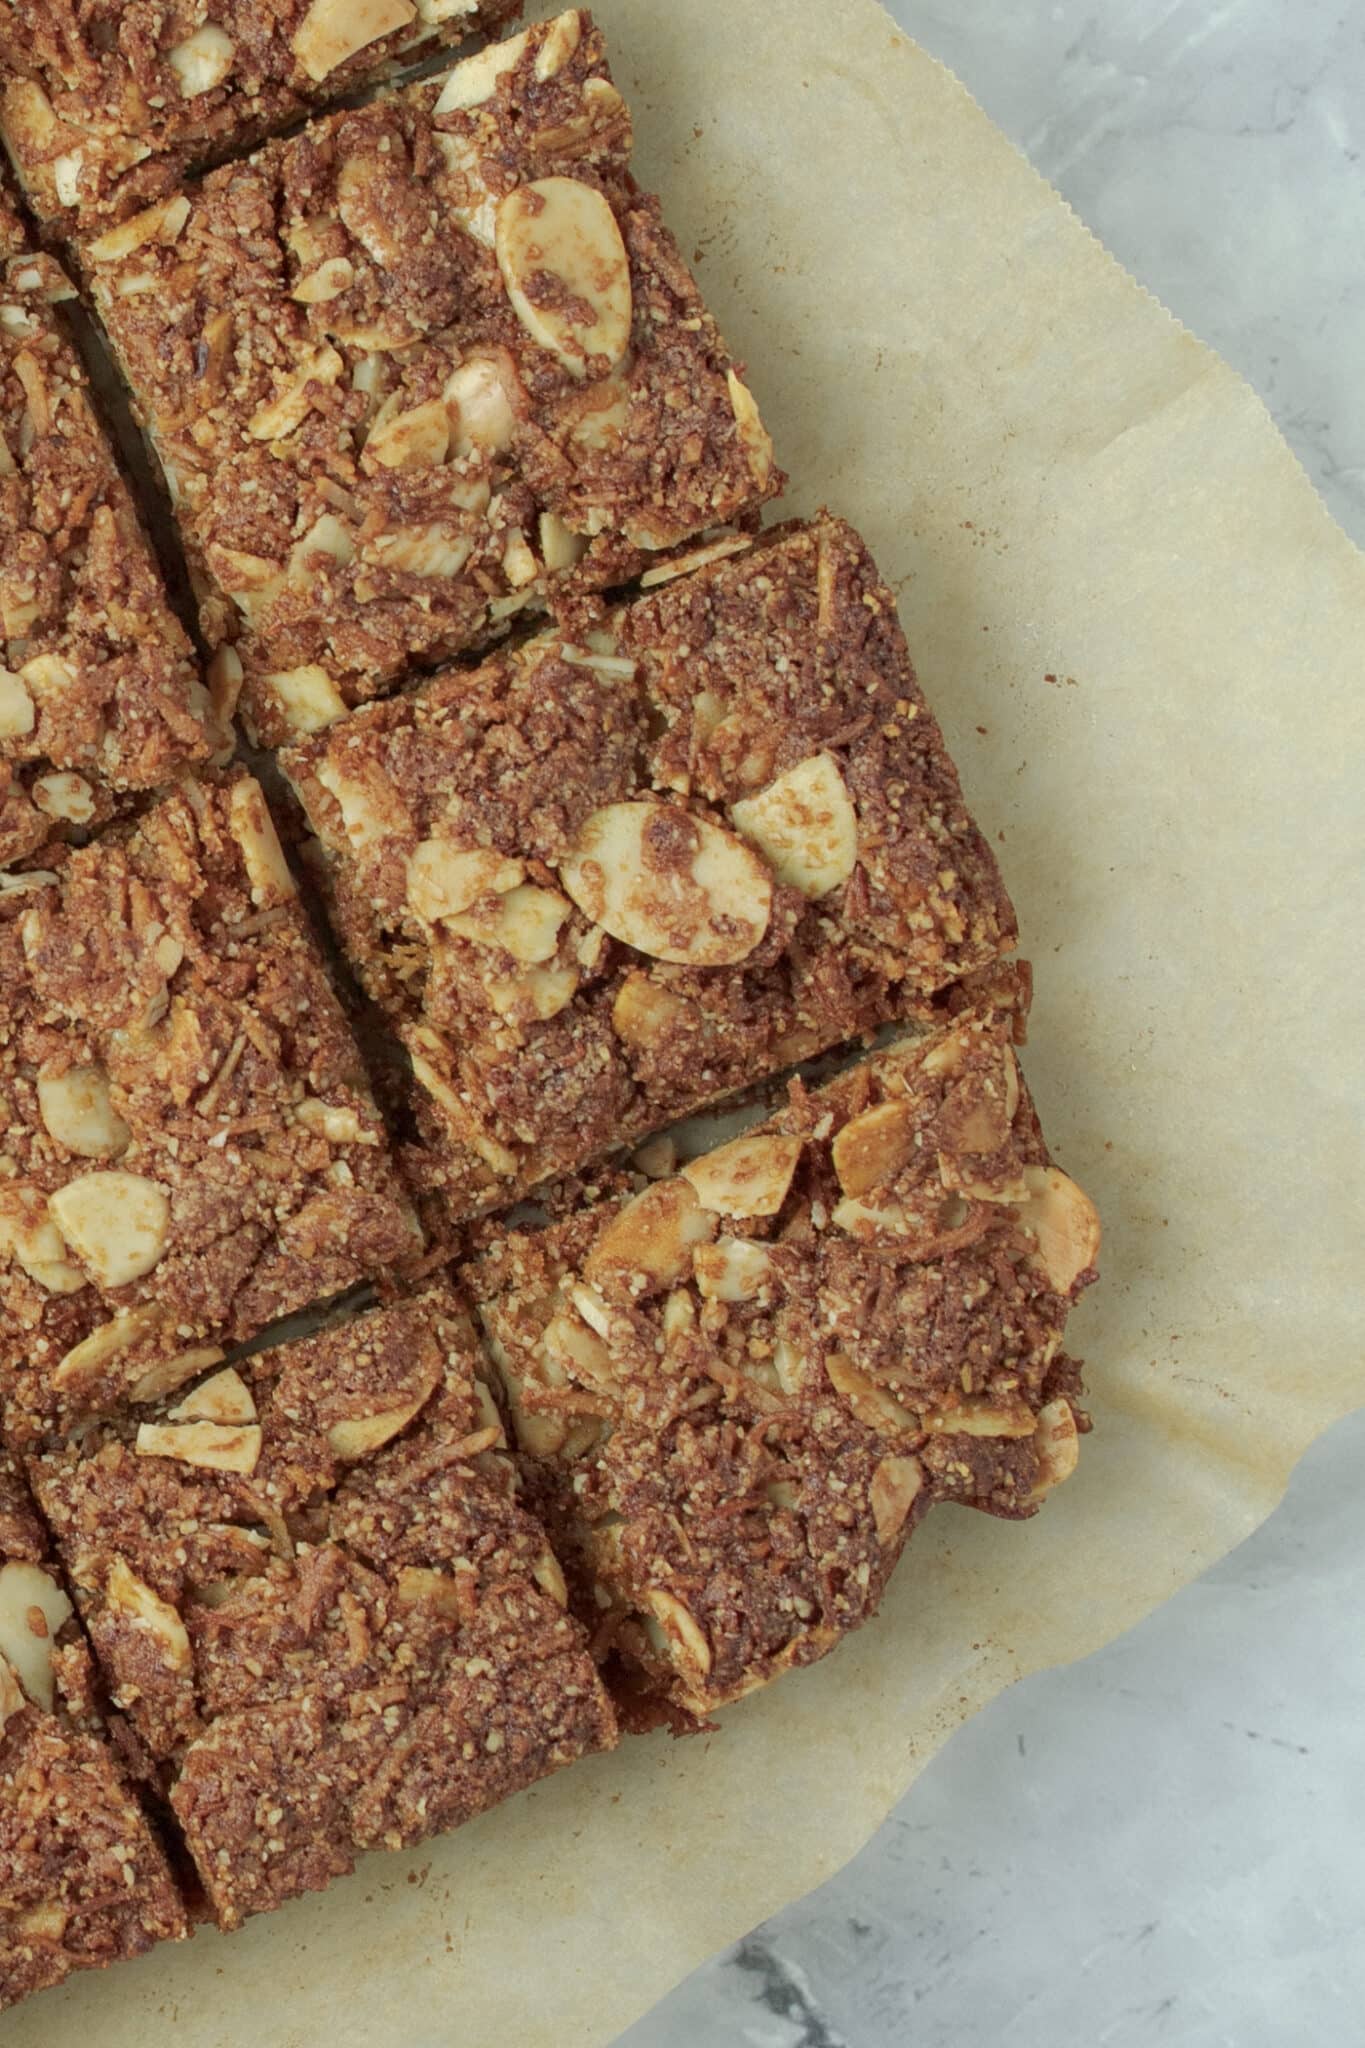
{"points": [[1163, 1846]]}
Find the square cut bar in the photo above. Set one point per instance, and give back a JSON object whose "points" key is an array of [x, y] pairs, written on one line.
{"points": [[106, 104], [599, 886], [357, 1638], [83, 1880], [739, 1390], [99, 695], [425, 365], [188, 1145]]}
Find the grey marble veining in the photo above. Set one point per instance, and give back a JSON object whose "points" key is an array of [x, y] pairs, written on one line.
{"points": [[1163, 1846]]}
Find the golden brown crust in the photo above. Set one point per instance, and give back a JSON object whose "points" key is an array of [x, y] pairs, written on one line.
{"points": [[106, 104], [357, 1639], [430, 363], [739, 1390], [598, 886]]}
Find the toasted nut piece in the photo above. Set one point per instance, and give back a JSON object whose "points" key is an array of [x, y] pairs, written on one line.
{"points": [[896, 1484], [29, 1596], [560, 546], [981, 1418], [170, 1373], [116, 1223], [791, 1368], [495, 1155], [670, 884], [871, 1149], [212, 1446], [548, 1576], [593, 1309], [1058, 1444], [336, 1122], [525, 922], [29, 1234], [128, 1595], [679, 1317], [416, 439], [333, 276], [433, 11], [443, 880], [307, 696], [870, 1403], [645, 1015], [84, 1363], [533, 997], [652, 1236], [562, 234], [427, 550], [578, 1351], [747, 1177], [688, 564], [225, 1397], [751, 433], [202, 61], [290, 407], [64, 795], [12, 1700], [480, 399], [17, 715], [76, 1111], [476, 80], [562, 37], [657, 1158], [418, 1586], [326, 536], [333, 30], [732, 1269], [371, 808], [805, 825], [160, 223], [262, 855], [357, 1435], [1063, 1222], [682, 1629]]}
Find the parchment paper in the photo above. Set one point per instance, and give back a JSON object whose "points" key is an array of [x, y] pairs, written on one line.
{"points": [[1143, 634]]}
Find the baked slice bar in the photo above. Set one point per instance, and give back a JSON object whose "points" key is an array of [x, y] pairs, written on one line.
{"points": [[358, 1638], [99, 694], [739, 1390], [191, 1147], [599, 885], [422, 368], [83, 1880], [105, 104]]}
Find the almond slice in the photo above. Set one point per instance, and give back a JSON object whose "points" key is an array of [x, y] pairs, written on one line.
{"points": [[566, 271], [77, 1111], [356, 1436], [84, 1364], [211, 1446], [290, 407], [172, 1373], [652, 1237], [805, 826], [871, 1149], [750, 432], [444, 880], [871, 1403], [33, 1611], [524, 922], [17, 713], [1058, 1444], [333, 30], [476, 80], [747, 1177], [29, 1233], [163, 223], [1064, 1223], [670, 884], [732, 1269], [983, 1419], [202, 61], [225, 1397], [129, 1596], [253, 828], [681, 1628], [307, 696], [646, 1016], [896, 1485], [416, 439], [481, 396], [116, 1223]]}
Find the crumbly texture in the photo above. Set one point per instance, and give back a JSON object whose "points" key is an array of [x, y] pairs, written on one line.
{"points": [[429, 364], [83, 1880], [188, 1145], [310, 1586], [106, 104], [99, 695], [738, 1391], [599, 885]]}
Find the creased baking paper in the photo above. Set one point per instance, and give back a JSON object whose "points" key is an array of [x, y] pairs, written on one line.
{"points": [[1144, 636]]}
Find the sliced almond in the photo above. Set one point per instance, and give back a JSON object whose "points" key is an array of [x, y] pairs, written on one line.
{"points": [[225, 1397], [419, 1586], [476, 80], [480, 396], [580, 1352], [871, 1403], [752, 435], [84, 1364], [566, 271], [356, 1436], [116, 1223], [535, 996], [645, 1015], [17, 713], [871, 1149], [12, 1700], [561, 38], [33, 1612], [732, 1269], [64, 795], [653, 1236], [524, 922], [418, 438], [252, 581], [549, 1576], [290, 407], [657, 1158], [679, 1317], [130, 1597], [681, 1628], [333, 276], [560, 546], [334, 30], [307, 696], [982, 1419], [50, 676], [326, 536], [170, 1373], [336, 1122], [747, 1177], [429, 550], [76, 1110], [1064, 1223], [688, 564], [805, 826], [1058, 1444], [210, 1446], [29, 1234], [163, 223], [372, 811], [896, 1485], [202, 61], [443, 880], [253, 828], [673, 885]]}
